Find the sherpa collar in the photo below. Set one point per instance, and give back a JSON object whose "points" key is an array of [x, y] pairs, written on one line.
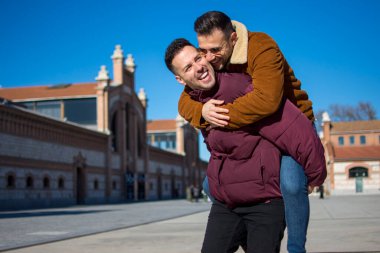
{"points": [[240, 52]]}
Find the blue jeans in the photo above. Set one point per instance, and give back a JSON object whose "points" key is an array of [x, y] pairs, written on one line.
{"points": [[293, 183], [206, 189]]}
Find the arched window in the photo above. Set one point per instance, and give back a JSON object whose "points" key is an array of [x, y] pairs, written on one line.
{"points": [[46, 182], [61, 183], [29, 182], [127, 128], [139, 142], [358, 172], [96, 184], [114, 131], [11, 181]]}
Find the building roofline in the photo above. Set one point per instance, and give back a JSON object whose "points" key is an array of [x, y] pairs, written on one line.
{"points": [[54, 98]]}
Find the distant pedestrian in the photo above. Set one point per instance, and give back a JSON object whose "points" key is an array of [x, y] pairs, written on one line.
{"points": [[321, 190], [189, 193], [192, 193], [196, 193]]}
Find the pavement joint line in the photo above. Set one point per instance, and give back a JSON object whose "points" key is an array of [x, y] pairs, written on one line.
{"points": [[328, 212], [98, 232]]}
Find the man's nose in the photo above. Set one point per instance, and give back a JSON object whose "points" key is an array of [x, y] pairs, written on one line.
{"points": [[210, 56], [198, 66]]}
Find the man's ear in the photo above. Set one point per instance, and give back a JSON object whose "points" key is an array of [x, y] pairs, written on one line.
{"points": [[180, 80], [233, 38]]}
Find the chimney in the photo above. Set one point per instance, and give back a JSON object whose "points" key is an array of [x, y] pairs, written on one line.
{"points": [[130, 63], [326, 127], [102, 99], [142, 97], [118, 68], [102, 78]]}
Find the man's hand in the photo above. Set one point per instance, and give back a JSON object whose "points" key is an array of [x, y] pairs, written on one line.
{"points": [[310, 189], [213, 114]]}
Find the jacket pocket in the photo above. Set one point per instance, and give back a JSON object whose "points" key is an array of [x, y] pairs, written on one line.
{"points": [[270, 169], [242, 180]]}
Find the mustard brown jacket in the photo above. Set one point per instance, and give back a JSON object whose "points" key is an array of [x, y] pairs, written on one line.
{"points": [[258, 55]]}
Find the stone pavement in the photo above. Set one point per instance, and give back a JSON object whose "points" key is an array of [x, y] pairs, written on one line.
{"points": [[337, 224], [28, 227]]}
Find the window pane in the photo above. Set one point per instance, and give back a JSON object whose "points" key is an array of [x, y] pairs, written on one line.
{"points": [[341, 140], [174, 144], [46, 183], [163, 140], [352, 139], [114, 132], [29, 182], [82, 111], [127, 128], [362, 139], [358, 172], [28, 105], [10, 181], [49, 108], [61, 183]]}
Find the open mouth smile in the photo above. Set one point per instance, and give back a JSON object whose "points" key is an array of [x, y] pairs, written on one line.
{"points": [[204, 75]]}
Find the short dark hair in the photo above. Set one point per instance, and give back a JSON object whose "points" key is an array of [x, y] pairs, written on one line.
{"points": [[208, 22], [173, 49]]}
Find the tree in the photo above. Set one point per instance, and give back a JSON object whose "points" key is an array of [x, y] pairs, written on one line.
{"points": [[363, 111], [367, 110]]}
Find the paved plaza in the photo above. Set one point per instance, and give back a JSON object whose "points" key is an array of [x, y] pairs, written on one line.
{"points": [[337, 224]]}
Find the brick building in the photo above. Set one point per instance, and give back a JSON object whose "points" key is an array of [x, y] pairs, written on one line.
{"points": [[170, 135], [353, 156], [86, 143]]}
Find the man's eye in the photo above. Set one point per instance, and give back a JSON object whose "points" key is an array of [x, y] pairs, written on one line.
{"points": [[203, 51], [198, 58], [215, 50]]}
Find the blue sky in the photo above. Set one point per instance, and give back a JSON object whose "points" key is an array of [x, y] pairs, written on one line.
{"points": [[332, 45]]}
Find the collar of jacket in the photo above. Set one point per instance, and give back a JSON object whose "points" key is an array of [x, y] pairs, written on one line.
{"points": [[203, 95], [240, 52]]}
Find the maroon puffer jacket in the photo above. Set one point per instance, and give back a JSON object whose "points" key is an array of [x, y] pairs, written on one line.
{"points": [[244, 164]]}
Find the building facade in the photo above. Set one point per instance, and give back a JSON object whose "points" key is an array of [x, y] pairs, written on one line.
{"points": [[353, 156], [86, 143], [177, 137]]}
